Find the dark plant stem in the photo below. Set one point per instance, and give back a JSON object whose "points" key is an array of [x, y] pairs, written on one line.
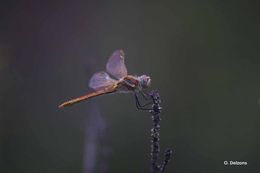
{"points": [[155, 135], [167, 157]]}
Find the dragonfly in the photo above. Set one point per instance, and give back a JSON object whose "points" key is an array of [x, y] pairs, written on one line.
{"points": [[119, 82]]}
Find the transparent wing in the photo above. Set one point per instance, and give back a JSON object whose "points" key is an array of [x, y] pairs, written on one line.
{"points": [[100, 80], [116, 64]]}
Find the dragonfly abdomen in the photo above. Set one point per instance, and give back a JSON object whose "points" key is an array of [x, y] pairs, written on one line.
{"points": [[99, 92]]}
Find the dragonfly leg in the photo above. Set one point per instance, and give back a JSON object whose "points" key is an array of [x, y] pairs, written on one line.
{"points": [[145, 95], [139, 106]]}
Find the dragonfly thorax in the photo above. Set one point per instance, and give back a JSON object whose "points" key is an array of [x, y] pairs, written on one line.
{"points": [[145, 81]]}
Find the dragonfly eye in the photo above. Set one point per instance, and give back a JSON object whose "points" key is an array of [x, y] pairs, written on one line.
{"points": [[148, 81], [145, 81]]}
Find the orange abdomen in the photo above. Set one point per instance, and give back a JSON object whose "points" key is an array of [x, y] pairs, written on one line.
{"points": [[99, 92]]}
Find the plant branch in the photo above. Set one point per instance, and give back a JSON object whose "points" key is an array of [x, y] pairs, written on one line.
{"points": [[155, 111]]}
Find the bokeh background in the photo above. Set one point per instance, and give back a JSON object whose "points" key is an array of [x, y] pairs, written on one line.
{"points": [[203, 57]]}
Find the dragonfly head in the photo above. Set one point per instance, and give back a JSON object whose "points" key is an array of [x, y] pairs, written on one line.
{"points": [[145, 81]]}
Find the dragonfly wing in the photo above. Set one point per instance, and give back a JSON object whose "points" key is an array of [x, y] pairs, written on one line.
{"points": [[116, 64], [101, 80]]}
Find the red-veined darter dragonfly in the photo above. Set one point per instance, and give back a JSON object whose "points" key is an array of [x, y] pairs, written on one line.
{"points": [[103, 84]]}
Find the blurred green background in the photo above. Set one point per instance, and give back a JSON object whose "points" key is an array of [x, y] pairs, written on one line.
{"points": [[203, 57]]}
